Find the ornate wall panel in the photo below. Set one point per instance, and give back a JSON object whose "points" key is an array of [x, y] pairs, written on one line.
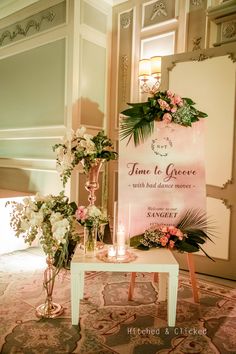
{"points": [[196, 25], [157, 12], [208, 77], [125, 58], [220, 87], [35, 81], [40, 22]]}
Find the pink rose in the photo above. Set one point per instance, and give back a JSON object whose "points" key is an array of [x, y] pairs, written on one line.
{"points": [[169, 93], [171, 244], [81, 213], [163, 228], [163, 105], [177, 100], [173, 109], [172, 230], [167, 118], [163, 241]]}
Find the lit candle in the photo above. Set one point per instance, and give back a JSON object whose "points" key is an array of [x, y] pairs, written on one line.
{"points": [[121, 236]]}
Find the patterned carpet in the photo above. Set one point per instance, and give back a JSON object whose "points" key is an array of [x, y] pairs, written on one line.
{"points": [[109, 323]]}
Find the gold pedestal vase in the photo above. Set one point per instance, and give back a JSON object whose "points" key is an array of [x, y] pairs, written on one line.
{"points": [[92, 184], [49, 309]]}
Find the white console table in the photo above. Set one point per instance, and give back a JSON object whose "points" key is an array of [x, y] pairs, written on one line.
{"points": [[158, 260]]}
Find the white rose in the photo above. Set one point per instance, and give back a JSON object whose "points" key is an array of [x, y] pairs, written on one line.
{"points": [[80, 132], [36, 219], [59, 229], [89, 146], [94, 212], [55, 217]]}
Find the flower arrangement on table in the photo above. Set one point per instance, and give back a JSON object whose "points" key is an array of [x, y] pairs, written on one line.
{"points": [[84, 148], [188, 236], [161, 106], [91, 218], [49, 218]]}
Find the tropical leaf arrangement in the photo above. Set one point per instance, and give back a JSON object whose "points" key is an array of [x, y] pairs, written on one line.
{"points": [[188, 235], [165, 106]]}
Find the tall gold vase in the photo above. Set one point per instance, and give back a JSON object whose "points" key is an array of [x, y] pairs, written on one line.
{"points": [[49, 309], [92, 184]]}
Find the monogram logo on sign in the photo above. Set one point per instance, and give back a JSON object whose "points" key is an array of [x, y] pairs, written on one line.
{"points": [[161, 147]]}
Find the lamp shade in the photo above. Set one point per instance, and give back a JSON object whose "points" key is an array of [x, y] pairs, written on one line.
{"points": [[144, 68], [155, 66]]}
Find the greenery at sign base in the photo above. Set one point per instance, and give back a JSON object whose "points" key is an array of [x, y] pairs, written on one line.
{"points": [[188, 235], [161, 106]]}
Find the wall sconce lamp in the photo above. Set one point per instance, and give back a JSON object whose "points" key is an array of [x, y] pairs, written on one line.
{"points": [[150, 74]]}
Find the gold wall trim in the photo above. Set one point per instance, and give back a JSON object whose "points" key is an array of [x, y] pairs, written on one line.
{"points": [[22, 31], [159, 8]]}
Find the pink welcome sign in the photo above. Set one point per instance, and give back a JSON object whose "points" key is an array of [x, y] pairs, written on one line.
{"points": [[162, 177]]}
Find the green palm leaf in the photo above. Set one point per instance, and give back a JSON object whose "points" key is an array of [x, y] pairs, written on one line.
{"points": [[136, 127]]}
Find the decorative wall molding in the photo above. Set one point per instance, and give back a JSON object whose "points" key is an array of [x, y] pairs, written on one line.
{"points": [[224, 16], [124, 63], [16, 29], [226, 203], [232, 57], [196, 3], [225, 185], [56, 131], [228, 30], [126, 19], [29, 164], [197, 43], [159, 8], [201, 57], [159, 12], [23, 31]]}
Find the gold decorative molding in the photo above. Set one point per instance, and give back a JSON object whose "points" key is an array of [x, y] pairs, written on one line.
{"points": [[173, 64], [232, 57], [124, 72], [159, 8], [226, 203], [229, 29], [197, 43], [125, 20], [201, 57], [196, 2], [20, 30], [230, 181]]}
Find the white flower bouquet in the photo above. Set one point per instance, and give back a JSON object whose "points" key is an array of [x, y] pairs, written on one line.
{"points": [[49, 218], [82, 147]]}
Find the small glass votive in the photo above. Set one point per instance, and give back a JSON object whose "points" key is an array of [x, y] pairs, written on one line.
{"points": [[111, 251], [121, 252]]}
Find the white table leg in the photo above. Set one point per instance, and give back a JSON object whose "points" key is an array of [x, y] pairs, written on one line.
{"points": [[172, 298], [162, 286], [75, 296], [81, 285]]}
